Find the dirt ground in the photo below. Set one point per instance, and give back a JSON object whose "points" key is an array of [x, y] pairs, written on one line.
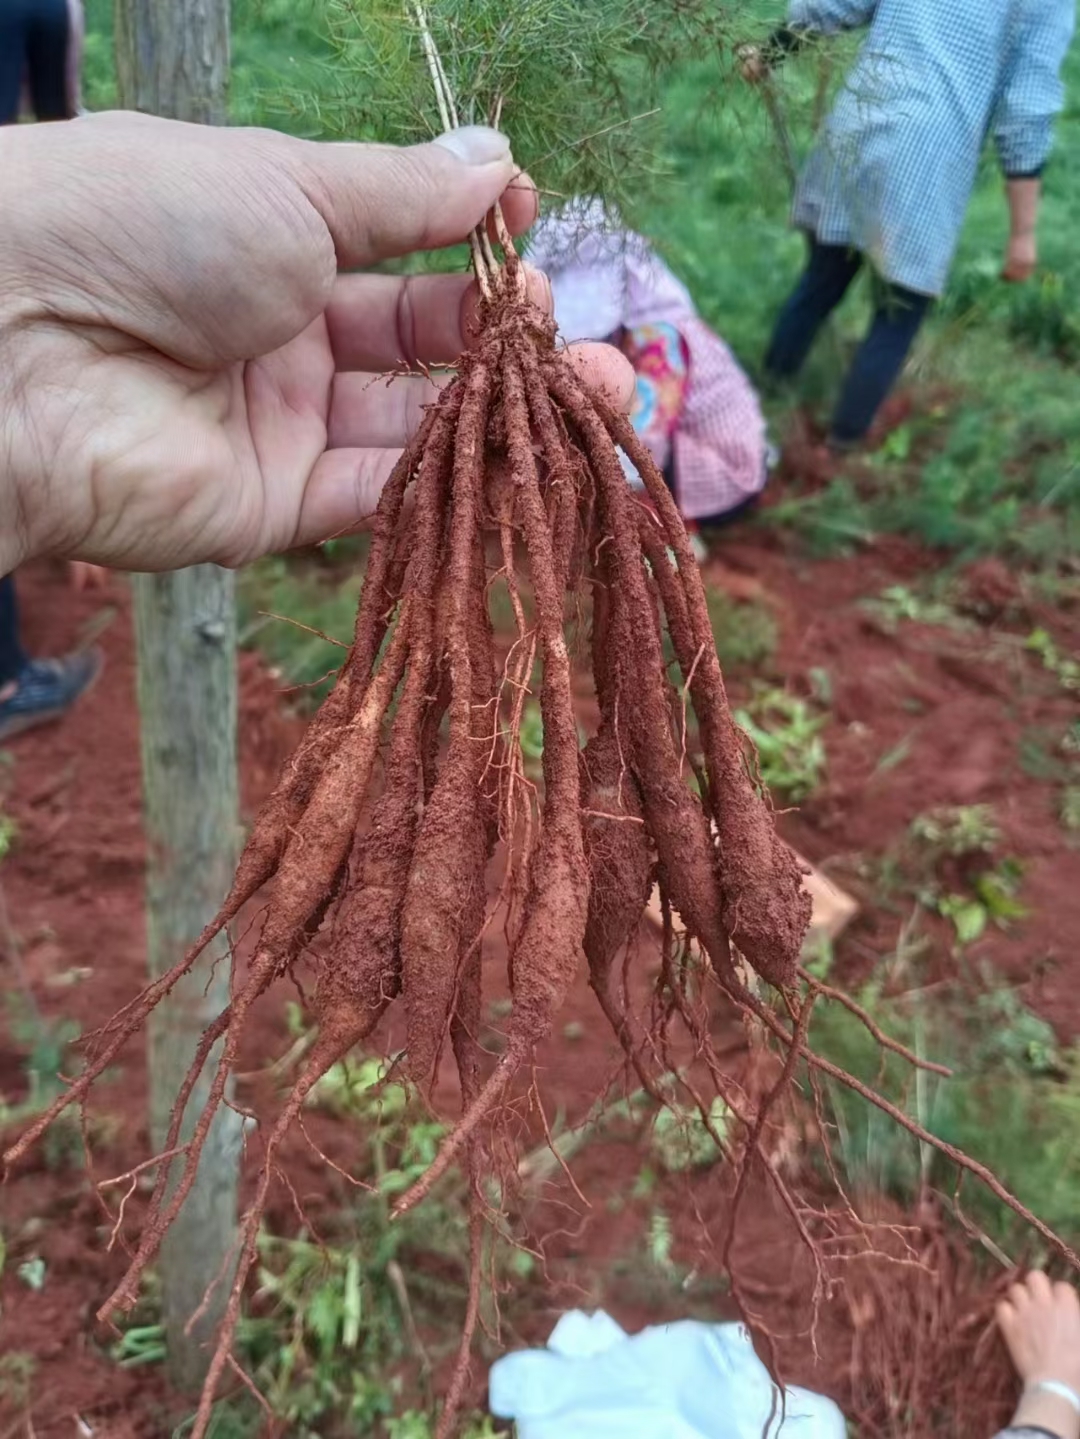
{"points": [[949, 708]]}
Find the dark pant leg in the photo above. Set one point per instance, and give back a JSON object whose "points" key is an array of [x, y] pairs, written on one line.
{"points": [[827, 278], [47, 35], [12, 60], [726, 517], [12, 657], [898, 313]]}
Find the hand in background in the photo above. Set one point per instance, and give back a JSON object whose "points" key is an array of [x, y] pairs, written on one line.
{"points": [[1021, 258], [752, 64], [1040, 1323]]}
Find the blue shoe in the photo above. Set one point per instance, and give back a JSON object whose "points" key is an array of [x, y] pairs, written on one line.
{"points": [[47, 689]]}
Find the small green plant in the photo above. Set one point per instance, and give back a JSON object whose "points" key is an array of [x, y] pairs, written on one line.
{"points": [[17, 1371], [832, 521], [681, 1139], [898, 604], [1070, 808], [47, 1045], [335, 1331], [532, 736], [1064, 668], [1004, 1031], [745, 632], [1043, 755], [300, 621], [139, 1345], [418, 1426], [231, 1419], [897, 446], [786, 732], [956, 831], [659, 1241], [946, 856], [8, 833], [994, 902], [819, 953], [359, 1090]]}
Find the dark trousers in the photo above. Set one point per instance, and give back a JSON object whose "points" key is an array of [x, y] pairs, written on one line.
{"points": [[12, 656], [34, 45], [898, 313]]}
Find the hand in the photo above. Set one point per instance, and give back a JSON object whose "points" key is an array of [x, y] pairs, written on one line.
{"points": [[1040, 1323], [1021, 257], [752, 66], [184, 373]]}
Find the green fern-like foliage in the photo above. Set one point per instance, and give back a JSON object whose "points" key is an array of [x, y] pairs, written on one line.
{"points": [[574, 84]]}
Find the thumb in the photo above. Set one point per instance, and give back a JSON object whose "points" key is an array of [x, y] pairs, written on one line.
{"points": [[379, 201]]}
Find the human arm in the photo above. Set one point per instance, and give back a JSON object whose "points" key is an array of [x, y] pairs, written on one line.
{"points": [[185, 373], [1031, 97], [1022, 253]]}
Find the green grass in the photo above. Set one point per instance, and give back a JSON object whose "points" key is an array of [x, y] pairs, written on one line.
{"points": [[745, 632], [280, 609], [1013, 1104]]}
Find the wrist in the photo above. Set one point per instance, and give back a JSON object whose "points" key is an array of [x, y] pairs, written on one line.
{"points": [[1046, 1409]]}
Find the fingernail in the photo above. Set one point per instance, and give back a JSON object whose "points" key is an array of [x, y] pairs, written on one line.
{"points": [[475, 144], [549, 294]]}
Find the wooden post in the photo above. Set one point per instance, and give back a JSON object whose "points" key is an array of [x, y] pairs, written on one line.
{"points": [[173, 60]]}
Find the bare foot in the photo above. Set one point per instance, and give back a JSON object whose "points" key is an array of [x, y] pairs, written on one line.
{"points": [[1040, 1323]]}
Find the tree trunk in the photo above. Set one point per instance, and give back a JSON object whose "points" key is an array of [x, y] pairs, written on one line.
{"points": [[185, 626], [173, 60]]}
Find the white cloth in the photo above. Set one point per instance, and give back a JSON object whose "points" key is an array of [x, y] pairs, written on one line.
{"points": [[675, 1381]]}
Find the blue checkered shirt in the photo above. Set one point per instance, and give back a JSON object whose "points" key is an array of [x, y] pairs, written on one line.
{"points": [[894, 167]]}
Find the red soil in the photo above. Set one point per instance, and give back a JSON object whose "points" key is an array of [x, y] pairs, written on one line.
{"points": [[951, 711]]}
